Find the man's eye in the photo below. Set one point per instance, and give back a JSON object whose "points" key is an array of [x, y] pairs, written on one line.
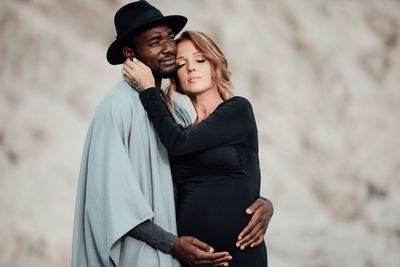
{"points": [[154, 43]]}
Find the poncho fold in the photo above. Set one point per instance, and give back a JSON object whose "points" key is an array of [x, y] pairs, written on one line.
{"points": [[124, 180]]}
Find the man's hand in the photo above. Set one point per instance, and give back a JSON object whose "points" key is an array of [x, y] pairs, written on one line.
{"points": [[253, 234], [197, 253]]}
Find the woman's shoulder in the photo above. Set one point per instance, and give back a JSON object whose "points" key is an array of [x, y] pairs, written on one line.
{"points": [[238, 101], [238, 107]]}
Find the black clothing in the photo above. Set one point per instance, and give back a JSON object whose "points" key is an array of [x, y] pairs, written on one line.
{"points": [[216, 169]]}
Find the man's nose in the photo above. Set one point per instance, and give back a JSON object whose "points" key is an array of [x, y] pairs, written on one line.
{"points": [[168, 47]]}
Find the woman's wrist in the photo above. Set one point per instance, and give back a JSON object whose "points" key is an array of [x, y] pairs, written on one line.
{"points": [[139, 85]]}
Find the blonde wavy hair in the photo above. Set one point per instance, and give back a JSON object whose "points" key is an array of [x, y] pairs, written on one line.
{"points": [[220, 74]]}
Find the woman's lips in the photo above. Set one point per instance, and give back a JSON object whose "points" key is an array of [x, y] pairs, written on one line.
{"points": [[193, 79]]}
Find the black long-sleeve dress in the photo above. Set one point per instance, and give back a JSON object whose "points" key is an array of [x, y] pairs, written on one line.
{"points": [[216, 169]]}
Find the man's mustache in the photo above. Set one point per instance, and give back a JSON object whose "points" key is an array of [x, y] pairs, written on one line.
{"points": [[167, 57]]}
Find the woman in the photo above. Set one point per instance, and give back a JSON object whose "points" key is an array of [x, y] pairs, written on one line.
{"points": [[214, 162]]}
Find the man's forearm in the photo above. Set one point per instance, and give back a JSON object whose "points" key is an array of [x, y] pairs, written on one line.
{"points": [[154, 236]]}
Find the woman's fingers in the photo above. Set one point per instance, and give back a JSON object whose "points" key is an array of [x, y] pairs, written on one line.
{"points": [[133, 67], [139, 72], [136, 64], [128, 70], [128, 76], [129, 63], [140, 64]]}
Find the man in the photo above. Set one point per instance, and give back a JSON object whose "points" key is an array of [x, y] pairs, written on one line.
{"points": [[125, 213]]}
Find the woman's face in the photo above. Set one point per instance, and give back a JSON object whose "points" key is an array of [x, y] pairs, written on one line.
{"points": [[193, 69]]}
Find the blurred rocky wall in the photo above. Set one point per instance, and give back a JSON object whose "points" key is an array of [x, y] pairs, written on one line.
{"points": [[323, 77]]}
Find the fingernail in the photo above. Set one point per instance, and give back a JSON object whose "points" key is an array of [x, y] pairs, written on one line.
{"points": [[134, 59], [237, 244], [248, 210], [240, 237], [211, 249], [230, 257], [242, 247], [252, 245]]}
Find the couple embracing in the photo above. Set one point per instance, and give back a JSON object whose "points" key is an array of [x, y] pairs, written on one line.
{"points": [[155, 188]]}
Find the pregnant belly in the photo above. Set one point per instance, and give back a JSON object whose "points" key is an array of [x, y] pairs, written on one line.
{"points": [[214, 212]]}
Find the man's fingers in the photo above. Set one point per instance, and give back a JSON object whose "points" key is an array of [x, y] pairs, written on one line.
{"points": [[202, 246], [245, 231], [254, 237], [251, 235], [220, 264], [255, 219], [258, 242], [217, 262], [256, 204], [202, 255]]}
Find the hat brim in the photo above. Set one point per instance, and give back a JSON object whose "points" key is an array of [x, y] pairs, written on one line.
{"points": [[114, 52]]}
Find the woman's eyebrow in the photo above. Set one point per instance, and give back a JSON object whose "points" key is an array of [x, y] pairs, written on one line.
{"points": [[194, 53]]}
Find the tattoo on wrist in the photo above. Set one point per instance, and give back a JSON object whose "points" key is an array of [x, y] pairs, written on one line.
{"points": [[139, 86]]}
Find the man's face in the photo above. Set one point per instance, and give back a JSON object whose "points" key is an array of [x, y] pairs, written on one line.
{"points": [[156, 48]]}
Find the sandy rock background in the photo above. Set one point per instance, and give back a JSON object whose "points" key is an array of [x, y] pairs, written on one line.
{"points": [[323, 78]]}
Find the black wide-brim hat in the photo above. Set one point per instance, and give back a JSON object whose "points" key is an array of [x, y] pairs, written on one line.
{"points": [[134, 18]]}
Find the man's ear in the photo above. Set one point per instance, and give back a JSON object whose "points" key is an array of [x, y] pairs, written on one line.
{"points": [[128, 52]]}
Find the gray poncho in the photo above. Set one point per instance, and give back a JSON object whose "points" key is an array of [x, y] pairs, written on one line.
{"points": [[124, 180]]}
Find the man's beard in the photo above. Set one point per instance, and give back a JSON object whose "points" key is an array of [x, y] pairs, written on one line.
{"points": [[165, 73]]}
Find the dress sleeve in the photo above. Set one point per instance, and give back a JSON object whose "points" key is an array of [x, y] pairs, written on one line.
{"points": [[230, 123], [154, 235]]}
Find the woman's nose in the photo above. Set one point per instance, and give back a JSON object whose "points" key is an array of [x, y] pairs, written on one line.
{"points": [[191, 67]]}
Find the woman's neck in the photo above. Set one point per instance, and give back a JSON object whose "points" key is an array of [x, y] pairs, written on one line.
{"points": [[205, 103]]}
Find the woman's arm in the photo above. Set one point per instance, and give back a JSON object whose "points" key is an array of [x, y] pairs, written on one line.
{"points": [[230, 123]]}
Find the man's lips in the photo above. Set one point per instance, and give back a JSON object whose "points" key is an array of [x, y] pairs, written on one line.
{"points": [[168, 60]]}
